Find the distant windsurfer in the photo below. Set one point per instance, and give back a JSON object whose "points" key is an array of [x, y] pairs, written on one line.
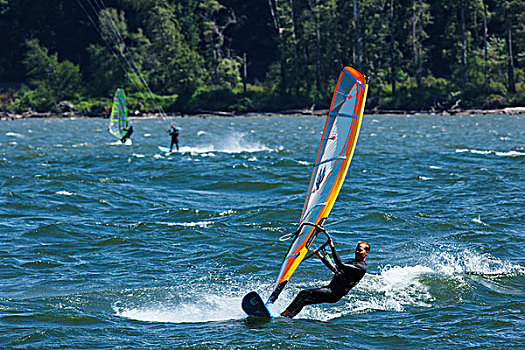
{"points": [[174, 133], [347, 275], [127, 135]]}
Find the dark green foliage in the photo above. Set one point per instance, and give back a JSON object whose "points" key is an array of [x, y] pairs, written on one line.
{"points": [[215, 99], [53, 81], [176, 68], [191, 52]]}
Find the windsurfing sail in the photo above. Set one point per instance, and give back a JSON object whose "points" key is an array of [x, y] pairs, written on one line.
{"points": [[333, 159], [118, 120]]}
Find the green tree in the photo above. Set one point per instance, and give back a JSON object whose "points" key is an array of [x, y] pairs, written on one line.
{"points": [[228, 73], [176, 68], [117, 63], [54, 81]]}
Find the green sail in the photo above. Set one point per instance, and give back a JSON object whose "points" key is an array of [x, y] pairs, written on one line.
{"points": [[118, 120]]}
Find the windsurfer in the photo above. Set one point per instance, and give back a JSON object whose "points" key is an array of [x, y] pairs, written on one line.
{"points": [[347, 275], [174, 133], [128, 133]]}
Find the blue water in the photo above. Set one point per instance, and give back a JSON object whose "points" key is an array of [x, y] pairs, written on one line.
{"points": [[106, 245]]}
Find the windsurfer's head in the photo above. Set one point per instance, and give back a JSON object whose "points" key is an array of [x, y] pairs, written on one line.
{"points": [[362, 250]]}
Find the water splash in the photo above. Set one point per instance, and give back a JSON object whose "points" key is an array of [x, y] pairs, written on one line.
{"points": [[196, 302], [232, 143], [478, 221], [468, 262], [395, 288], [207, 307]]}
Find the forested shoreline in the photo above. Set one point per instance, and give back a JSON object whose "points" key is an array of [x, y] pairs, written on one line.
{"points": [[204, 56]]}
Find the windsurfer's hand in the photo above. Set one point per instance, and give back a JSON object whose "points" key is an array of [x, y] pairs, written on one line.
{"points": [[316, 253]]}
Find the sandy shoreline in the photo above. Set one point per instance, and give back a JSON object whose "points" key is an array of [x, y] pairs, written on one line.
{"points": [[204, 114]]}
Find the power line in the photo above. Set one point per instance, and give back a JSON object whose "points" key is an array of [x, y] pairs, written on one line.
{"points": [[114, 34]]}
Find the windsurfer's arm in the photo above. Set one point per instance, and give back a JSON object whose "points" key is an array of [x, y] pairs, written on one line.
{"points": [[338, 262], [326, 262], [337, 259]]}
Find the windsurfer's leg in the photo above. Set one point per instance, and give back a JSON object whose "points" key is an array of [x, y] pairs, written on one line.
{"points": [[307, 297]]}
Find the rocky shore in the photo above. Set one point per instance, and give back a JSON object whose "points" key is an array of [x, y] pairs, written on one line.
{"points": [[6, 115]]}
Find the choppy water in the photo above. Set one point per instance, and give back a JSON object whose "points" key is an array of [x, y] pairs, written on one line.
{"points": [[111, 246]]}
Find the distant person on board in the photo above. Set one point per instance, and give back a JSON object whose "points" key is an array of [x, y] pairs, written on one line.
{"points": [[127, 135], [174, 133], [347, 275]]}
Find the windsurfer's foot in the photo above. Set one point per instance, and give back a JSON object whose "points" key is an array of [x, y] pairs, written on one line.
{"points": [[285, 313]]}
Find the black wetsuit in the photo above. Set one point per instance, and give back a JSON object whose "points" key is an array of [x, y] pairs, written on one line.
{"points": [[174, 138], [346, 277], [127, 135]]}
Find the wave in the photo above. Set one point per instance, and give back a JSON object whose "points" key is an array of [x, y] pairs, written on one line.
{"points": [[510, 154], [468, 262], [394, 288], [191, 224], [65, 193], [82, 144]]}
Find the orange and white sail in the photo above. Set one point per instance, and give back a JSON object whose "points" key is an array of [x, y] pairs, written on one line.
{"points": [[333, 159]]}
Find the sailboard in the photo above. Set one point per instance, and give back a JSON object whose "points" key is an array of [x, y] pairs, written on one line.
{"points": [[253, 305], [338, 142], [118, 120], [165, 149]]}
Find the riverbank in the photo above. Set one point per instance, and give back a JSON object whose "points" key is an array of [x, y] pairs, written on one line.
{"points": [[30, 114]]}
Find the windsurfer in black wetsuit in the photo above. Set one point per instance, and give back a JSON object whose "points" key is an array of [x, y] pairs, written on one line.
{"points": [[127, 135], [347, 275], [174, 133]]}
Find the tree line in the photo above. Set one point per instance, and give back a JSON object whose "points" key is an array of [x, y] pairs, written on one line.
{"points": [[253, 55]]}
